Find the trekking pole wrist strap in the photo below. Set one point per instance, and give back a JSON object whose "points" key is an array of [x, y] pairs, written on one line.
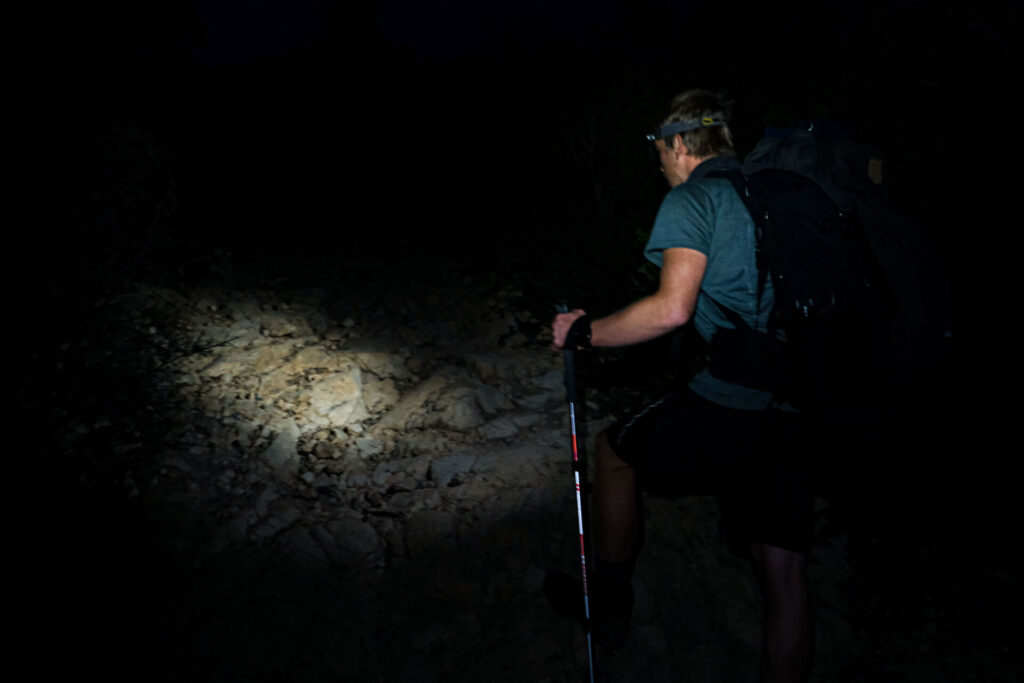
{"points": [[578, 337]]}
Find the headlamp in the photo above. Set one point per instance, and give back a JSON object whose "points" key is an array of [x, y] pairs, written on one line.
{"points": [[676, 127]]}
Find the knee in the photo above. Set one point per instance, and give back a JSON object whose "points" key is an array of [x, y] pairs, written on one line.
{"points": [[783, 572], [607, 458]]}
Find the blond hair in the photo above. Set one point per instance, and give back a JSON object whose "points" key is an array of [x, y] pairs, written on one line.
{"points": [[705, 141]]}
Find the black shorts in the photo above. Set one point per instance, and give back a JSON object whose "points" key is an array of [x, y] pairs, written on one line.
{"points": [[754, 461]]}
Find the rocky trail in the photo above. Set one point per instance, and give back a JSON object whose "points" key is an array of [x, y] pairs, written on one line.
{"points": [[279, 482]]}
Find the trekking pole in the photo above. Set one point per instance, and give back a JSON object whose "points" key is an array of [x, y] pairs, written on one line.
{"points": [[578, 465]]}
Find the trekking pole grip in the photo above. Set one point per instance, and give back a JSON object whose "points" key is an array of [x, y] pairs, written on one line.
{"points": [[568, 361]]}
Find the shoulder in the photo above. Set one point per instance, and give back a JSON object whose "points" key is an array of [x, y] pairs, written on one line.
{"points": [[713, 188], [693, 197], [703, 200], [686, 218]]}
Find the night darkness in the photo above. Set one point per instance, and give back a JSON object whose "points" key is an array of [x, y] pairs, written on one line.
{"points": [[350, 147]]}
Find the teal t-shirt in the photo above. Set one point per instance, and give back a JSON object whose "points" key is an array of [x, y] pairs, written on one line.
{"points": [[707, 215]]}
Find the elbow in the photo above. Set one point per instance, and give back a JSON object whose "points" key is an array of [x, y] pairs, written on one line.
{"points": [[676, 316]]}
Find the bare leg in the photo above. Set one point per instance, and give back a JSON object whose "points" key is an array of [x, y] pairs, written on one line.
{"points": [[787, 639], [616, 508]]}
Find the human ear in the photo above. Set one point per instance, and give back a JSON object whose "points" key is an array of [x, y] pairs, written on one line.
{"points": [[677, 145]]}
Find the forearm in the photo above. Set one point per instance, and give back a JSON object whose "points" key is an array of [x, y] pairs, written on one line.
{"points": [[641, 321], [652, 316]]}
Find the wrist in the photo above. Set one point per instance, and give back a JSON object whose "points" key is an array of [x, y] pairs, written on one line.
{"points": [[578, 337]]}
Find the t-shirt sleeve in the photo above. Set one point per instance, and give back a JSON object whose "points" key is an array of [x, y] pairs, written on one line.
{"points": [[685, 219]]}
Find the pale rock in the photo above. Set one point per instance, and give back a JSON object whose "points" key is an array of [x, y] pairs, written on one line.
{"points": [[336, 390], [418, 467], [383, 473], [382, 357], [413, 407], [535, 402], [281, 324], [320, 356], [280, 380], [426, 442], [345, 414], [500, 428], [368, 447], [458, 410], [470, 495], [445, 470], [526, 420], [244, 309], [243, 333], [246, 423], [380, 395], [491, 399], [401, 475], [488, 365], [517, 467], [272, 354], [328, 450], [226, 368], [282, 454], [339, 414], [501, 366], [188, 379], [552, 380], [402, 481]]}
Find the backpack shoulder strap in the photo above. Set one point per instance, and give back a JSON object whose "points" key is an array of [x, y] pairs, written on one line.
{"points": [[732, 316], [739, 182]]}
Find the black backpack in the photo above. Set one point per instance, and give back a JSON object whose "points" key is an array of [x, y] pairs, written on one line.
{"points": [[861, 296], [911, 296], [828, 300]]}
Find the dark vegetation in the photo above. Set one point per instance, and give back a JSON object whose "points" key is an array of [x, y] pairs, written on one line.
{"points": [[354, 160]]}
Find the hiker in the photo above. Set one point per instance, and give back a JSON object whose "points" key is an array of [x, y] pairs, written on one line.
{"points": [[713, 436]]}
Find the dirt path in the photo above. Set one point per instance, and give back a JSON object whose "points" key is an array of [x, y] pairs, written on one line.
{"points": [[274, 484]]}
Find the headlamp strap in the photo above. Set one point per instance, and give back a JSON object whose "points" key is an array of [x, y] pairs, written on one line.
{"points": [[676, 127]]}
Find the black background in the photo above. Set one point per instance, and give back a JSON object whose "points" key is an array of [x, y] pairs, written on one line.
{"points": [[146, 137]]}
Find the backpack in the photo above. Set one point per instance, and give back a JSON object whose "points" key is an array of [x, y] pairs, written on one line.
{"points": [[911, 281], [847, 301]]}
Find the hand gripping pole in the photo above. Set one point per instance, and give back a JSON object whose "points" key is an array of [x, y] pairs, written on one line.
{"points": [[578, 466]]}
